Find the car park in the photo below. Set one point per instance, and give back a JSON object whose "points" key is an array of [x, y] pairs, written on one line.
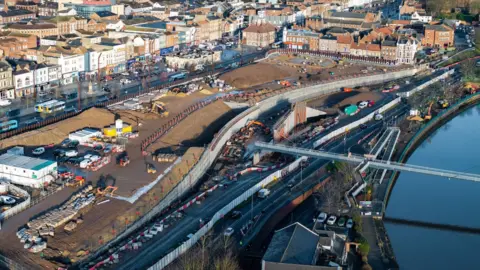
{"points": [[66, 142], [85, 163], [229, 232], [331, 220], [38, 151], [73, 144], [59, 152], [71, 153]]}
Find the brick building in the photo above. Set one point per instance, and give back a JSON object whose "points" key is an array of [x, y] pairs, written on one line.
{"points": [[260, 34], [440, 36], [38, 29], [6, 81], [389, 50], [301, 39], [9, 15]]}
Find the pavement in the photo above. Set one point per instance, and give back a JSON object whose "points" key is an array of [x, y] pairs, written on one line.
{"points": [[165, 242], [375, 254]]}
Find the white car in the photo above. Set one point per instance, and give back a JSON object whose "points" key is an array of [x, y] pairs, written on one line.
{"points": [[125, 73], [349, 223], [322, 217], [7, 200], [87, 156], [331, 220], [94, 158], [5, 102], [85, 163], [362, 105], [378, 117], [229, 232], [38, 151], [71, 153]]}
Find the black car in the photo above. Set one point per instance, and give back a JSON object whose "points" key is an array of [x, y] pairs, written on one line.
{"points": [[73, 144], [65, 142], [63, 159], [59, 152], [236, 215], [363, 126]]}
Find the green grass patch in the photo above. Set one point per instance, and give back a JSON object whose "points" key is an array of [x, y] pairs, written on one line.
{"points": [[462, 56]]}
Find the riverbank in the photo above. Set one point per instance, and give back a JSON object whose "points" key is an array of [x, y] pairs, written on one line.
{"points": [[423, 134]]}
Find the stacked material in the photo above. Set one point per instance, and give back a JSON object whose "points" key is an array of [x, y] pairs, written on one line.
{"points": [[166, 157], [45, 224]]}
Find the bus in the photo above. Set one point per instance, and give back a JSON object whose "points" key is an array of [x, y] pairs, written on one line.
{"points": [[58, 106], [41, 107], [8, 125]]}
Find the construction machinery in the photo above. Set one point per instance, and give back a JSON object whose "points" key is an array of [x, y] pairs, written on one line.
{"points": [[471, 88], [106, 185], [417, 115], [123, 160], [257, 123], [443, 103], [151, 169], [78, 181], [159, 108]]}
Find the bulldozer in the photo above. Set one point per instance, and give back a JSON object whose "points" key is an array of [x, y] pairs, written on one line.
{"points": [[159, 108], [78, 181], [151, 169]]}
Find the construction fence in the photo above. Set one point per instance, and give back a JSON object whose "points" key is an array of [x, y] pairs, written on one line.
{"points": [[19, 207]]}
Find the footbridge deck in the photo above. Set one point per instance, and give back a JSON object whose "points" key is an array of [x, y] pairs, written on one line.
{"points": [[377, 164]]}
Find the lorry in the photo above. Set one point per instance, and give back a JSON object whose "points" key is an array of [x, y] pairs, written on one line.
{"points": [[263, 193]]}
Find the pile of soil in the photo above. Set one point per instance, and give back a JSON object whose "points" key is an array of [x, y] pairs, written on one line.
{"points": [[198, 128], [252, 75]]}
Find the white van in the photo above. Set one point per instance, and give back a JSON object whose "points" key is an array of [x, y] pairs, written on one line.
{"points": [[263, 193]]}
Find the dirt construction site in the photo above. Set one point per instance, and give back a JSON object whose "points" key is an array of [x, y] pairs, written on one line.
{"points": [[102, 220], [100, 223]]}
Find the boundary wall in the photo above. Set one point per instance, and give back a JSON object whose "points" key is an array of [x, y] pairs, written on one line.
{"points": [[211, 153]]}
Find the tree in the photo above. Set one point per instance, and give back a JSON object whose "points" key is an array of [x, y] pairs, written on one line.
{"points": [[330, 194], [366, 266], [468, 68], [364, 249], [434, 7]]}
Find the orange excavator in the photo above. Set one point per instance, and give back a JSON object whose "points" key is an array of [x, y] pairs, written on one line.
{"points": [[78, 181], [253, 122], [106, 185]]}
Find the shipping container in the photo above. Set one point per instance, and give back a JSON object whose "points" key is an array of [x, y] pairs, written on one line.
{"points": [[351, 110]]}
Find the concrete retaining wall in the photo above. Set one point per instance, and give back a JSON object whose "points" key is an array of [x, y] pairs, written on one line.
{"points": [[426, 84]]}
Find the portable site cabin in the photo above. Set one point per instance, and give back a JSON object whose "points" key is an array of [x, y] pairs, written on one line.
{"points": [[27, 171]]}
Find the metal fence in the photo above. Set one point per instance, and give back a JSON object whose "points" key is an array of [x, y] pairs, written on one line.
{"points": [[19, 207], [208, 157]]}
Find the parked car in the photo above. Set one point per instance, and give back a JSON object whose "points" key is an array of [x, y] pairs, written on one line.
{"points": [[59, 152], [38, 151], [66, 142], [322, 217], [362, 105], [5, 102], [341, 221], [349, 223], [107, 149], [73, 144], [85, 163], [290, 184], [229, 232], [71, 153], [363, 126], [331, 220], [94, 158], [98, 147]]}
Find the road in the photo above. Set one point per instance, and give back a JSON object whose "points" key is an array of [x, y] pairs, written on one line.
{"points": [[27, 114], [167, 241]]}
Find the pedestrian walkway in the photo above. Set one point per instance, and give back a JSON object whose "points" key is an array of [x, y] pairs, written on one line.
{"points": [[375, 258]]}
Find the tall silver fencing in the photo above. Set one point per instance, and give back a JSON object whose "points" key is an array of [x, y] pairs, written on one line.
{"points": [[209, 155], [19, 207]]}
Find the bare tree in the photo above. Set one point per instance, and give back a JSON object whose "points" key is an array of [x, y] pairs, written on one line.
{"points": [[347, 172], [330, 194], [469, 69]]}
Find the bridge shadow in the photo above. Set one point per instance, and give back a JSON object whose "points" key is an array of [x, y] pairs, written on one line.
{"points": [[432, 225]]}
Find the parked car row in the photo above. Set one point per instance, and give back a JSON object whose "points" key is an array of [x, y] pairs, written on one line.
{"points": [[342, 221]]}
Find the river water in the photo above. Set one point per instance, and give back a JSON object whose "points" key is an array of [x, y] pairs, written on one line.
{"points": [[454, 146]]}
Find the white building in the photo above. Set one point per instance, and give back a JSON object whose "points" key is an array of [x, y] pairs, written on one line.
{"points": [[23, 82], [406, 50], [115, 25], [27, 171], [67, 12], [54, 73], [358, 3], [424, 18], [71, 65]]}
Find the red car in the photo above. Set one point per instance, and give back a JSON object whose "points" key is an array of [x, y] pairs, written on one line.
{"points": [[371, 103]]}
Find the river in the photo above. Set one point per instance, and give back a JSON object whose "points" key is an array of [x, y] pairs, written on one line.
{"points": [[454, 146]]}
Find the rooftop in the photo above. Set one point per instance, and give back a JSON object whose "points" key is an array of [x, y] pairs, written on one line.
{"points": [[351, 15], [29, 163], [438, 28], [260, 28], [105, 13], [15, 12], [294, 244]]}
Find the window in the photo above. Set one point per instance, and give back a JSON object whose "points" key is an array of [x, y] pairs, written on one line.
{"points": [[19, 82]]}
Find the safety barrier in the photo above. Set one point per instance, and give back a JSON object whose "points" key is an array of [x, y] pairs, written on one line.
{"points": [[222, 212], [335, 55], [419, 136], [19, 207], [208, 156]]}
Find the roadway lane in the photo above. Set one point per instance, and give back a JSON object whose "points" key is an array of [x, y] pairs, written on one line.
{"points": [[28, 116], [152, 251]]}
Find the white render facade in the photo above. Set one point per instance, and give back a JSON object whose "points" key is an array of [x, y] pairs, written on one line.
{"points": [[71, 65], [23, 82], [406, 49]]}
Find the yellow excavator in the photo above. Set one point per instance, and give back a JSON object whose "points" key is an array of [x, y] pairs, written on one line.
{"points": [[443, 103], [419, 118], [151, 169], [159, 108]]}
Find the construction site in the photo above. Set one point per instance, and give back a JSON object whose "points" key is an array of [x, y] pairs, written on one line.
{"points": [[88, 206]]}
